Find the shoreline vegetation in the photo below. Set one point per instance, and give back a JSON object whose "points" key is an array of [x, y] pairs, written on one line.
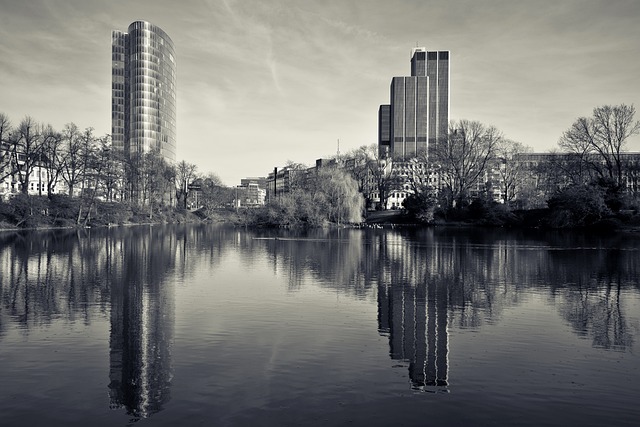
{"points": [[475, 177], [40, 212]]}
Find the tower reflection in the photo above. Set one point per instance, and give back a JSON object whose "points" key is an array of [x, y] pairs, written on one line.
{"points": [[415, 320], [142, 327]]}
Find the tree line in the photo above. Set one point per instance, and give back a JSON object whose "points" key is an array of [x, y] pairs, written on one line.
{"points": [[36, 158], [475, 162], [315, 198], [584, 181]]}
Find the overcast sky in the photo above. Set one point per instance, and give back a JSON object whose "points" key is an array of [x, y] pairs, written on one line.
{"points": [[261, 82]]}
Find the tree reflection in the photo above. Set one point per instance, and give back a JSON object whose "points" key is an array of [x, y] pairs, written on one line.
{"points": [[597, 312], [50, 275], [425, 281], [429, 279], [77, 275]]}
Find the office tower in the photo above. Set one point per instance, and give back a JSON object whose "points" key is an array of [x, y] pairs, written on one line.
{"points": [[143, 106], [409, 117], [384, 130], [418, 113]]}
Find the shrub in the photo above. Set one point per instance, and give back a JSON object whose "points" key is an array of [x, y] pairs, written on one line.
{"points": [[421, 207], [577, 206], [64, 209]]}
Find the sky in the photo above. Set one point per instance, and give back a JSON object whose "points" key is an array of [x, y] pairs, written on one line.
{"points": [[263, 82]]}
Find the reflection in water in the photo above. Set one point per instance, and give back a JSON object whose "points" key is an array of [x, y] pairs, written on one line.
{"points": [[142, 321], [415, 319], [597, 312], [52, 275], [425, 282], [429, 279], [75, 275]]}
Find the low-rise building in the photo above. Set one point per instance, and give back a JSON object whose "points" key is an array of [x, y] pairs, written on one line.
{"points": [[251, 193]]}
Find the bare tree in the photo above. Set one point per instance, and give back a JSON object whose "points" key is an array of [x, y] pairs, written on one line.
{"points": [[186, 173], [156, 180], [600, 140], [113, 176], [88, 154], [72, 157], [213, 194], [356, 163], [381, 174], [511, 171], [6, 169], [96, 161], [464, 157], [52, 158], [26, 149], [296, 175], [150, 169]]}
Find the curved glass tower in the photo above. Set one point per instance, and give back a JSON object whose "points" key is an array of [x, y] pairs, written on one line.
{"points": [[143, 107]]}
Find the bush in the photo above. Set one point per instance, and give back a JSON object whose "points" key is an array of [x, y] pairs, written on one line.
{"points": [[27, 211], [64, 209], [111, 213], [330, 195], [421, 207], [577, 206]]}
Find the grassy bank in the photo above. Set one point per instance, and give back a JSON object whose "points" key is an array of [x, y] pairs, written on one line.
{"points": [[60, 211]]}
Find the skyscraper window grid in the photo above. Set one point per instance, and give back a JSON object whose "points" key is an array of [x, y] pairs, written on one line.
{"points": [[144, 91], [418, 113]]}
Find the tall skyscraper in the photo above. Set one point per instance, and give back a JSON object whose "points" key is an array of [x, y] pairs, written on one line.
{"points": [[143, 106], [418, 114], [384, 129]]}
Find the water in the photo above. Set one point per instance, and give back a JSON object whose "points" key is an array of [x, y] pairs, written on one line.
{"points": [[210, 325]]}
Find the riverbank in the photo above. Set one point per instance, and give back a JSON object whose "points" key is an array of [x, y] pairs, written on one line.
{"points": [[35, 212], [39, 212], [534, 218]]}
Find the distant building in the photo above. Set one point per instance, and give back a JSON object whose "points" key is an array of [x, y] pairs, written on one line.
{"points": [[12, 174], [418, 113], [260, 181], [251, 192], [284, 180], [143, 88]]}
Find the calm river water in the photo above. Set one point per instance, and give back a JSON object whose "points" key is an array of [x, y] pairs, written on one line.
{"points": [[210, 325]]}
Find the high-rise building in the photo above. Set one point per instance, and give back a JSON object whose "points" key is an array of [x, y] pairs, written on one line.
{"points": [[384, 129], [143, 101], [409, 116], [418, 113]]}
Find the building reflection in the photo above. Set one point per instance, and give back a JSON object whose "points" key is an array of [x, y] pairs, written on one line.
{"points": [[430, 279], [415, 319], [81, 275], [425, 281], [142, 326]]}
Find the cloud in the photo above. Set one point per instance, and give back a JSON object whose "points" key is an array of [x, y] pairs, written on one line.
{"points": [[262, 82]]}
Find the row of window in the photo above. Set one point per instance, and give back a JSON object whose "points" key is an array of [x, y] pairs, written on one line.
{"points": [[140, 29], [161, 69], [148, 126]]}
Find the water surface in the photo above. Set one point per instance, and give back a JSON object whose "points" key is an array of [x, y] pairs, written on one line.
{"points": [[210, 325]]}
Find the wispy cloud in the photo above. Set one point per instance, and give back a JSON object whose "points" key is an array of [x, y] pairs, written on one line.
{"points": [[284, 79]]}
